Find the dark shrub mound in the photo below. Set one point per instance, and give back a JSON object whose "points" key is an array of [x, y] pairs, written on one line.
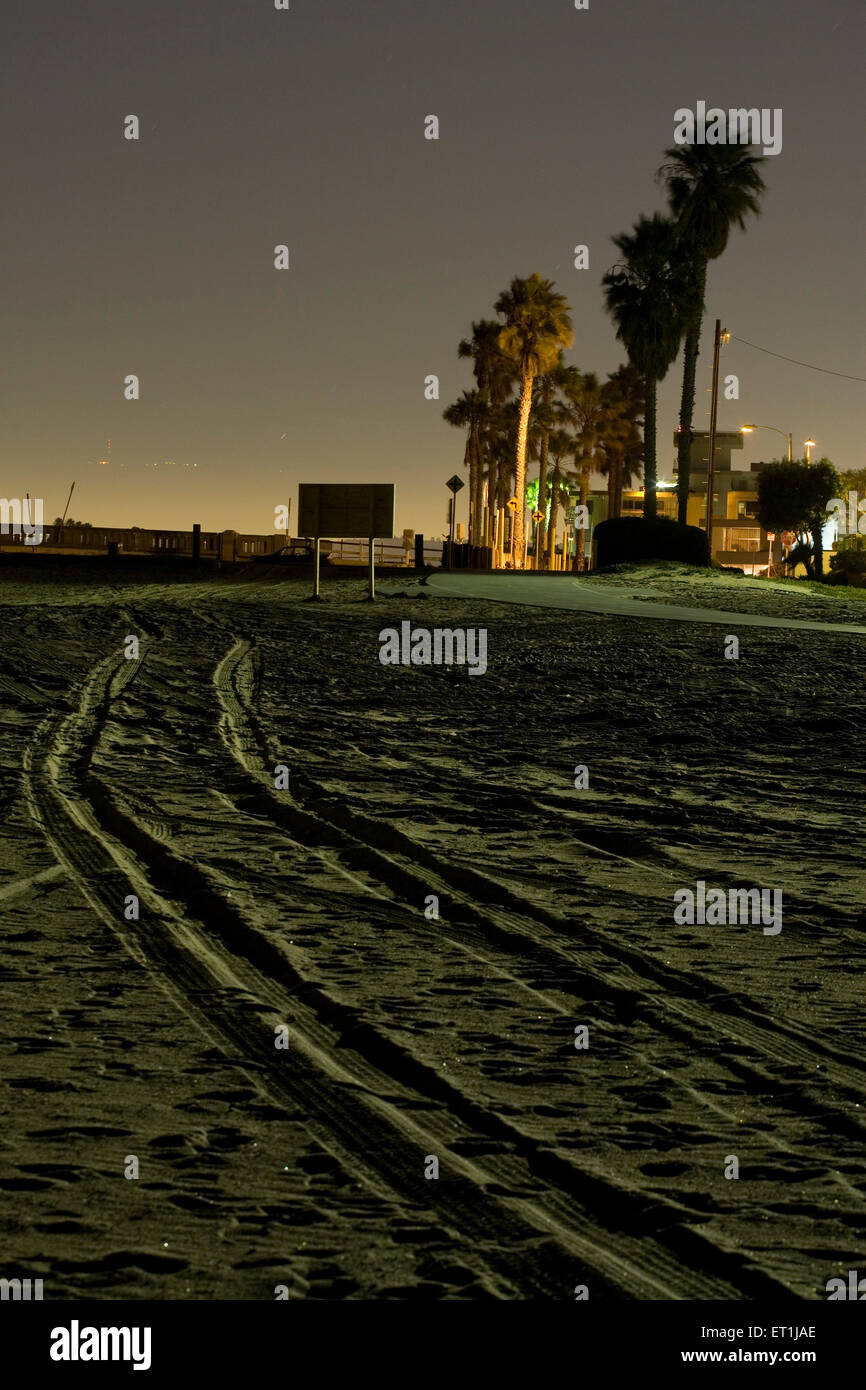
{"points": [[849, 561], [625, 538]]}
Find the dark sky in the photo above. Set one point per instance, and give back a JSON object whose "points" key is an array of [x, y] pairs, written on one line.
{"points": [[306, 127]]}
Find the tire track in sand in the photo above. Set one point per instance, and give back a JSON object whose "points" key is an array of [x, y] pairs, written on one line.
{"points": [[238, 986]]}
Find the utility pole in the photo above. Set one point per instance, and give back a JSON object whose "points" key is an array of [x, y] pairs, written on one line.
{"points": [[719, 338]]}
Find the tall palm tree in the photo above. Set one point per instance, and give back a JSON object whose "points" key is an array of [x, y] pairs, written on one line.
{"points": [[599, 417], [536, 325], [650, 296], [560, 444], [622, 455], [545, 416], [470, 412], [711, 188], [501, 437], [494, 378]]}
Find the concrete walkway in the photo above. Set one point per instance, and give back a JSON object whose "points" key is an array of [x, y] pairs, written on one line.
{"points": [[587, 596]]}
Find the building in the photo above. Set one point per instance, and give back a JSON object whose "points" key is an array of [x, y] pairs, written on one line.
{"points": [[739, 540]]}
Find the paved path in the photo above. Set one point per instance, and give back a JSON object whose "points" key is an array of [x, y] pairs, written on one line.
{"points": [[551, 591]]}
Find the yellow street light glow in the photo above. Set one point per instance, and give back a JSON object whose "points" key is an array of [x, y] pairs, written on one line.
{"points": [[810, 443], [747, 429]]}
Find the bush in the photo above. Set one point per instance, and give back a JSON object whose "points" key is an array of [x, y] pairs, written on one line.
{"points": [[626, 539], [849, 561]]}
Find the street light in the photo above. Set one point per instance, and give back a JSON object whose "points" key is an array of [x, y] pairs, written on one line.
{"points": [[810, 444], [748, 429]]}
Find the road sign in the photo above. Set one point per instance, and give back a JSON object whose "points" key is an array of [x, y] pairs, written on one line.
{"points": [[570, 513], [511, 504], [455, 483], [771, 535], [537, 515]]}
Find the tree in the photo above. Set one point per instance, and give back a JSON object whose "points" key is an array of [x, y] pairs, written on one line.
{"points": [[494, 378], [598, 415], [651, 298], [547, 413], [711, 188], [854, 480], [622, 456], [560, 445], [469, 412], [500, 436], [793, 496], [536, 326]]}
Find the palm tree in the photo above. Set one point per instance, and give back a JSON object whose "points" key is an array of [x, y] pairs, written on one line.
{"points": [[622, 455], [560, 444], [494, 377], [501, 436], [536, 325], [599, 417], [544, 415], [470, 412], [711, 188], [650, 296]]}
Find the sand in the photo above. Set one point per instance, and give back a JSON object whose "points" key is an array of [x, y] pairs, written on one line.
{"points": [[412, 1038]]}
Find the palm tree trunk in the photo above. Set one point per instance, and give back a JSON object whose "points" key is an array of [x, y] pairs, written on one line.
{"points": [[494, 511], [687, 398], [518, 549], [554, 507], [476, 530], [581, 534], [615, 501], [472, 459], [541, 534], [650, 475], [818, 551], [611, 484]]}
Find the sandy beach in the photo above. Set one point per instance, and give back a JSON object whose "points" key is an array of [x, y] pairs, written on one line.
{"points": [[267, 913]]}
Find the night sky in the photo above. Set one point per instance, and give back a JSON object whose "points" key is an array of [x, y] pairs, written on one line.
{"points": [[306, 127]]}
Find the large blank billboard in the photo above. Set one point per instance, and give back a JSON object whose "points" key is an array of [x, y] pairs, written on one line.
{"points": [[346, 509]]}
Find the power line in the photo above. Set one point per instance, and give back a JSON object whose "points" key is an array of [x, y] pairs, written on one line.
{"points": [[797, 362]]}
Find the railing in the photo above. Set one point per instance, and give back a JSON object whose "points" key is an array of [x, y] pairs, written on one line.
{"points": [[391, 551], [388, 552]]}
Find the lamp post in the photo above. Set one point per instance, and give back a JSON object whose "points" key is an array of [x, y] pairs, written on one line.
{"points": [[810, 444], [747, 429]]}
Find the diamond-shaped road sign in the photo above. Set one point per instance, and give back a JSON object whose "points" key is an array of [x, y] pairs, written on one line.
{"points": [[455, 483], [537, 515]]}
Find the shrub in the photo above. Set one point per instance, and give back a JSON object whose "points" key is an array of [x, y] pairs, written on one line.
{"points": [[626, 539], [849, 561]]}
